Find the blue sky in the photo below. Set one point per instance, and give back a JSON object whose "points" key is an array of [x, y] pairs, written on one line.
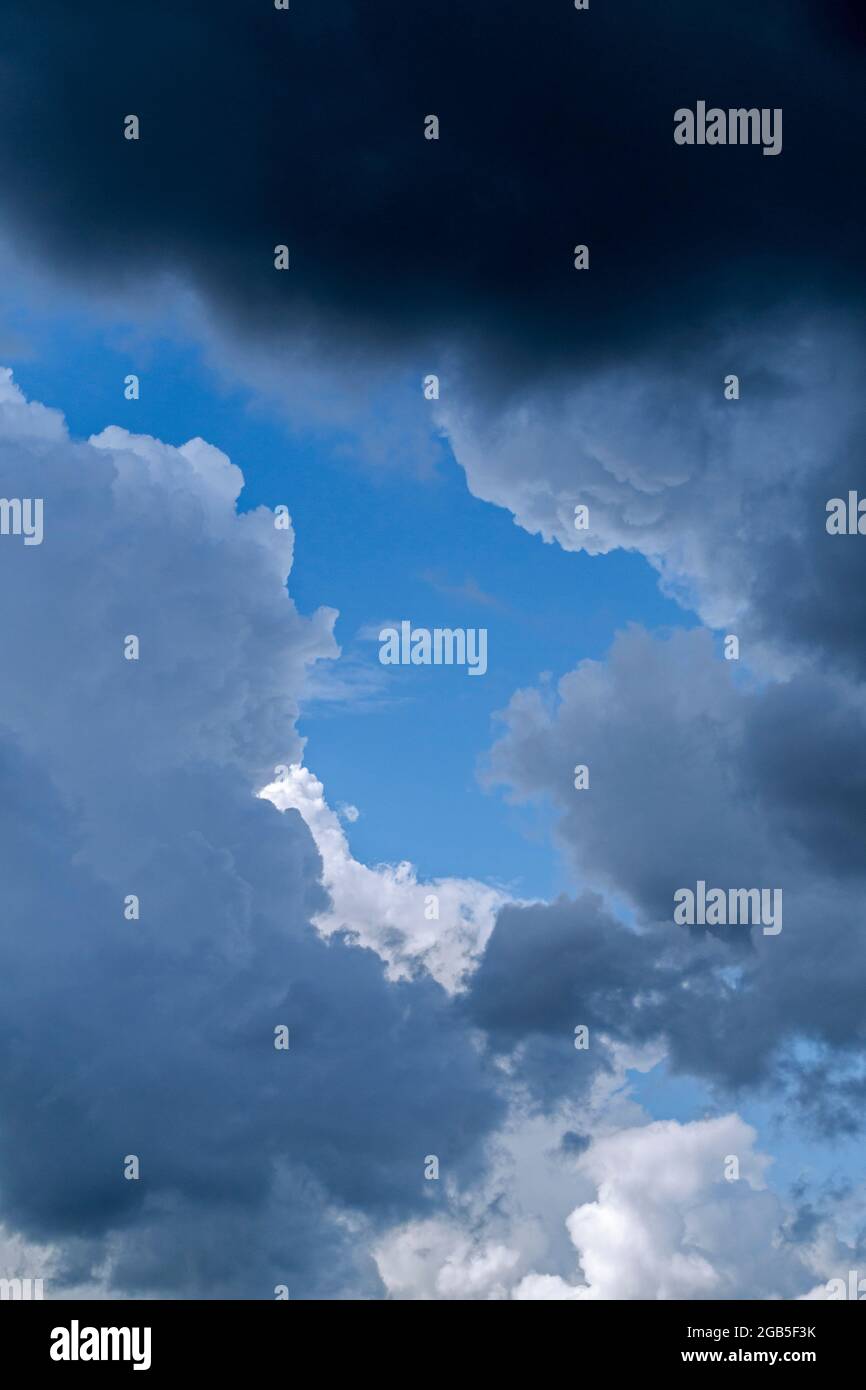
{"points": [[377, 545]]}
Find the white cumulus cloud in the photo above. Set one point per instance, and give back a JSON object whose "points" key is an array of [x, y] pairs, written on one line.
{"points": [[442, 925]]}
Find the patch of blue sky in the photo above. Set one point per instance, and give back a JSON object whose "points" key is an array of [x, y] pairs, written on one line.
{"points": [[380, 545]]}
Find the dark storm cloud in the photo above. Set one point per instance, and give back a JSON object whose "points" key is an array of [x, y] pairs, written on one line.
{"points": [[807, 587], [154, 1035], [583, 968], [549, 968], [803, 756], [692, 778], [156, 1039], [306, 127]]}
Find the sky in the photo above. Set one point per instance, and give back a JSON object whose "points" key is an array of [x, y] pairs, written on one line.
{"points": [[281, 807], [409, 541]]}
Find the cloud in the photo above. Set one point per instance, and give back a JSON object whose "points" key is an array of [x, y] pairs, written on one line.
{"points": [[154, 1036], [442, 926], [666, 1222], [469, 591], [437, 1260], [550, 135], [485, 1238], [726, 499], [658, 1220], [694, 775]]}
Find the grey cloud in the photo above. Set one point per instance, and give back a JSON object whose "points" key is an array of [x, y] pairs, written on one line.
{"points": [[686, 784], [155, 1037], [727, 499]]}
